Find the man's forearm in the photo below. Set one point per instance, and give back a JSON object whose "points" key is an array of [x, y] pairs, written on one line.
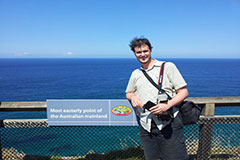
{"points": [[130, 95], [182, 93], [135, 101]]}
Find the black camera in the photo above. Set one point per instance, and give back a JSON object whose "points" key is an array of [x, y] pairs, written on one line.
{"points": [[149, 105], [165, 116]]}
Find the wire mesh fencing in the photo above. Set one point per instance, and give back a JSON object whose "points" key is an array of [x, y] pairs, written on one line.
{"points": [[211, 138]]}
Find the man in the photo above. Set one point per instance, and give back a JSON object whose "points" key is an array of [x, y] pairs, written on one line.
{"points": [[161, 140]]}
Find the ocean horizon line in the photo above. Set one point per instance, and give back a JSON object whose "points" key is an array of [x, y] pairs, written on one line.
{"points": [[114, 58]]}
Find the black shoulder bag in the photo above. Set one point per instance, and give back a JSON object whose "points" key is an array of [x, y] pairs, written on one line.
{"points": [[190, 111]]}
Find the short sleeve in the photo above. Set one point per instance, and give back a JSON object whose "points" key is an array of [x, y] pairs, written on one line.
{"points": [[175, 77], [131, 84]]}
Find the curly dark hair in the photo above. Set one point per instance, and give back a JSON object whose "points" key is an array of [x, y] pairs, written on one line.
{"points": [[138, 42]]}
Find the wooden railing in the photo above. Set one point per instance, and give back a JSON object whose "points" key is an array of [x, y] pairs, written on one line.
{"points": [[209, 104]]}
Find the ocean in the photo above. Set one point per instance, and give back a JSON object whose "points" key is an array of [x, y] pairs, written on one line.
{"points": [[42, 79]]}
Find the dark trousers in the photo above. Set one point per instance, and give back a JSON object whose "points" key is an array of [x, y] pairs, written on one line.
{"points": [[167, 144]]}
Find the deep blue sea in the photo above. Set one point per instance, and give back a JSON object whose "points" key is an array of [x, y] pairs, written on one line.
{"points": [[41, 79]]}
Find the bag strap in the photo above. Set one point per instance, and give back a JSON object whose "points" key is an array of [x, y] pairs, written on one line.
{"points": [[150, 80], [160, 79]]}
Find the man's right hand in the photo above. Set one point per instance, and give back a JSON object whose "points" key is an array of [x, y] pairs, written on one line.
{"points": [[135, 101]]}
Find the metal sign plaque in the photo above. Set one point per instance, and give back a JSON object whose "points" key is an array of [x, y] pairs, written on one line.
{"points": [[90, 112]]}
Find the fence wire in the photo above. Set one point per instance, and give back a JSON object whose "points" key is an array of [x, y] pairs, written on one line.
{"points": [[212, 138]]}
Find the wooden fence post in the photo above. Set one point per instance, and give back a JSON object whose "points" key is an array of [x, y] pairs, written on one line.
{"points": [[209, 109], [205, 141], [1, 126], [205, 134]]}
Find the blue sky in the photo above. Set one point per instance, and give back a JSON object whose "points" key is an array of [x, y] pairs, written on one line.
{"points": [[104, 28]]}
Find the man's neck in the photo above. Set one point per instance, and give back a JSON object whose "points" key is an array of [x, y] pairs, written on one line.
{"points": [[148, 65]]}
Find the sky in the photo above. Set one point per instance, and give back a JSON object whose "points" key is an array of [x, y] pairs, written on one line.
{"points": [[104, 28]]}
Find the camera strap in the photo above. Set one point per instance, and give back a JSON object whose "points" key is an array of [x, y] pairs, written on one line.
{"points": [[159, 87], [160, 80]]}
